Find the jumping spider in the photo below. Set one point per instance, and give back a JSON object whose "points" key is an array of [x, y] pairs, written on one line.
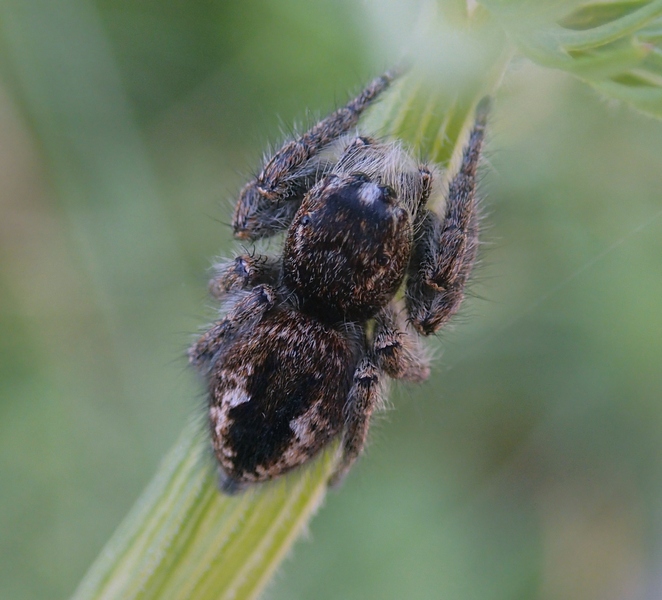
{"points": [[308, 339]]}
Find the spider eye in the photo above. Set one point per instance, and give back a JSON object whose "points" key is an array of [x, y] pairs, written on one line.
{"points": [[360, 177], [305, 220]]}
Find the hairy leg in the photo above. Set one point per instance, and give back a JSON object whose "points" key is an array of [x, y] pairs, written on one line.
{"points": [[425, 174], [242, 273], [267, 204], [364, 397], [245, 313], [398, 351], [445, 250], [273, 180]]}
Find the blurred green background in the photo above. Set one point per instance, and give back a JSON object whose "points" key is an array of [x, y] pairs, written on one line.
{"points": [[529, 466]]}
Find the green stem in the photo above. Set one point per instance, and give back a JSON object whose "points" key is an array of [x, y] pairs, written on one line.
{"points": [[184, 539]]}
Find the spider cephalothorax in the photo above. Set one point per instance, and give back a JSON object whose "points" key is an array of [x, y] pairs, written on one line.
{"points": [[295, 361], [348, 247]]}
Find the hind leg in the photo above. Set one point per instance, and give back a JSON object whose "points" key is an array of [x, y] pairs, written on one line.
{"points": [[364, 397], [398, 351]]}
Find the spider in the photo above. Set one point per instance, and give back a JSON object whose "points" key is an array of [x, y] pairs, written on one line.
{"points": [[310, 338]]}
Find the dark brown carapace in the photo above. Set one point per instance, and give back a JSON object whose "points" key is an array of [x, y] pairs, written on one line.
{"points": [[309, 339]]}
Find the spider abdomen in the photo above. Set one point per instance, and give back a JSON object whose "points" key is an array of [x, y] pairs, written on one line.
{"points": [[271, 407]]}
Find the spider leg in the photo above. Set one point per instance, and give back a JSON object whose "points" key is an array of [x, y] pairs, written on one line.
{"points": [[445, 250], [275, 179], [426, 188], [398, 351], [351, 150], [256, 217], [245, 313], [395, 352], [364, 397], [242, 273], [268, 203]]}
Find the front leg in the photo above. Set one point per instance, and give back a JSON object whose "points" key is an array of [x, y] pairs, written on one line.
{"points": [[364, 396], [445, 250], [268, 203], [242, 273], [245, 313]]}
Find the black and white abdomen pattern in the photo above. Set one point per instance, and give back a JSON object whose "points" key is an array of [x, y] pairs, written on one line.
{"points": [[272, 407]]}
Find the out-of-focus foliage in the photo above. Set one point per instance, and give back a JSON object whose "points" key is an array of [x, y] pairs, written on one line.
{"points": [[529, 466], [616, 46]]}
